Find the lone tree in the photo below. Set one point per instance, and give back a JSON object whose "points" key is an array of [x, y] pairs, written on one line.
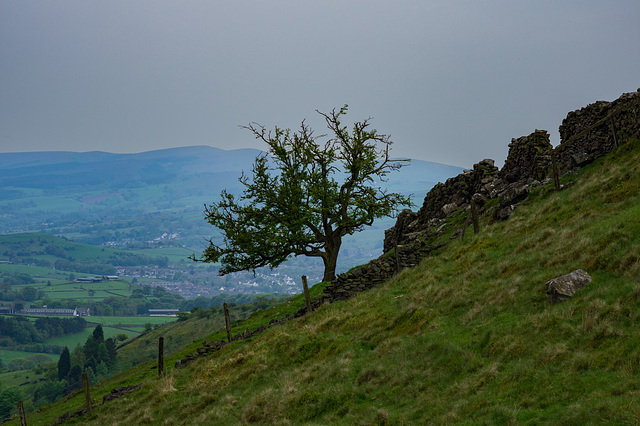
{"points": [[304, 196]]}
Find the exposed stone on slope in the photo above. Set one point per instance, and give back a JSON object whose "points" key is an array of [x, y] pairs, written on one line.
{"points": [[119, 391], [565, 286]]}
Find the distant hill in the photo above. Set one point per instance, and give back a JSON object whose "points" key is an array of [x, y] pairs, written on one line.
{"points": [[133, 200], [61, 170]]}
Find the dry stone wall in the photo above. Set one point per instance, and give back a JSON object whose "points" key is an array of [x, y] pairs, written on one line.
{"points": [[376, 272], [442, 200], [595, 130]]}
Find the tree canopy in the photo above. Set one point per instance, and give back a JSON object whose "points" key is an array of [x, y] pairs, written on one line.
{"points": [[64, 364], [305, 193]]}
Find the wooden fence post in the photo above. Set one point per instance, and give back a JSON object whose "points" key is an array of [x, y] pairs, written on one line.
{"points": [[227, 321], [556, 175], [474, 217], [160, 356], [87, 396], [397, 255], [613, 130], [467, 219], [307, 297], [23, 418]]}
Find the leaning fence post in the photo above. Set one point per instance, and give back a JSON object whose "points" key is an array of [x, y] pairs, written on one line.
{"points": [[87, 397], [23, 418], [307, 297], [160, 356], [556, 175], [474, 217], [227, 321], [613, 130], [397, 254], [464, 226]]}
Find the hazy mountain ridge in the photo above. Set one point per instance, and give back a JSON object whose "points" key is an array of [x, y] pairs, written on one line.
{"points": [[59, 169]]}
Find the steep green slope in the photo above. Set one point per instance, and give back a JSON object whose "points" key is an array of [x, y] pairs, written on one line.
{"points": [[467, 336]]}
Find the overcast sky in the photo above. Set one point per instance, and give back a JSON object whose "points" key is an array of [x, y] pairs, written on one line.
{"points": [[450, 81]]}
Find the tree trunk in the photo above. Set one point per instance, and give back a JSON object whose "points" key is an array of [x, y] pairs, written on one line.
{"points": [[330, 260]]}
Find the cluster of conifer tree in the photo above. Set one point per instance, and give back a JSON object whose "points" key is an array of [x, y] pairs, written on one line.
{"points": [[96, 358]]}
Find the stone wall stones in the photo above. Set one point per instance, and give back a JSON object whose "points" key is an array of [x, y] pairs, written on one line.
{"points": [[595, 130], [529, 158], [377, 271], [441, 200]]}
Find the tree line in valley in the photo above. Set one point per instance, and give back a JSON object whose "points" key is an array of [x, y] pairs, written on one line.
{"points": [[17, 330]]}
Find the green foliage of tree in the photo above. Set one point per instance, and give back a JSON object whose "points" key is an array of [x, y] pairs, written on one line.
{"points": [[103, 353], [19, 330], [91, 375], [49, 391], [90, 350], [98, 334], [64, 364], [9, 401], [89, 268], [102, 371], [304, 196], [75, 376], [29, 293], [110, 344]]}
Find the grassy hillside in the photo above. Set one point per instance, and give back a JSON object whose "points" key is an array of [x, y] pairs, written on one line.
{"points": [[467, 336]]}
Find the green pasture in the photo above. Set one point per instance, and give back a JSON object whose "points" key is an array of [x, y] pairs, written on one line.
{"points": [[37, 272], [139, 320], [80, 291], [16, 378], [73, 340], [7, 356]]}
